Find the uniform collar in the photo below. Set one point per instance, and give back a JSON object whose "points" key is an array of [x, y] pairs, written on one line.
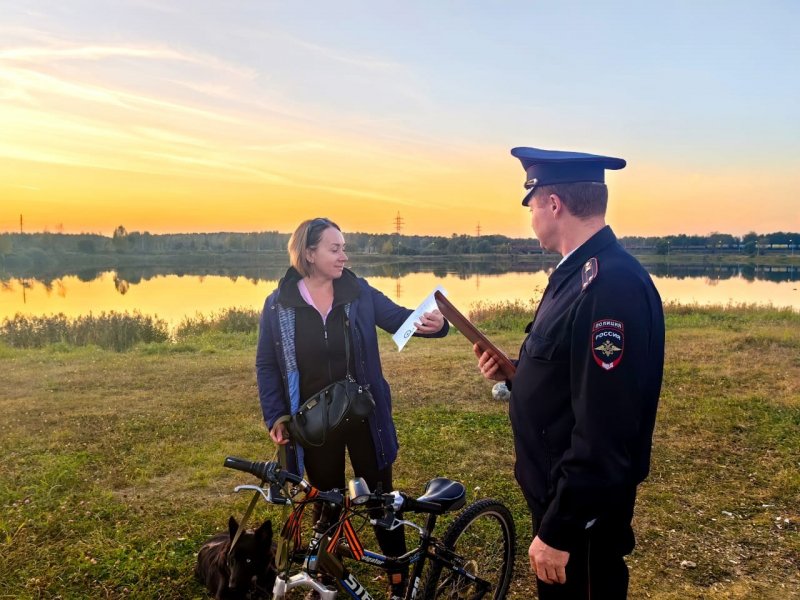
{"points": [[565, 257], [575, 259], [345, 289]]}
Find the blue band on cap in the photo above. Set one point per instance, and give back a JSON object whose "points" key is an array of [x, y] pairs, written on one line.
{"points": [[550, 173]]}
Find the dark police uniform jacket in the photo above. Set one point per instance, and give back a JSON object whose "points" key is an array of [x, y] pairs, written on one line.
{"points": [[583, 401]]}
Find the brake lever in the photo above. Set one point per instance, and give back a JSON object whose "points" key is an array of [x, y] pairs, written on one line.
{"points": [[388, 522], [267, 496]]}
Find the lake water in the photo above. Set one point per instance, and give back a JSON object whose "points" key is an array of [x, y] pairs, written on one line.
{"points": [[173, 296]]}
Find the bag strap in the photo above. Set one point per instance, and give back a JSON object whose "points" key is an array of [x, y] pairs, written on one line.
{"points": [[347, 348], [243, 523]]}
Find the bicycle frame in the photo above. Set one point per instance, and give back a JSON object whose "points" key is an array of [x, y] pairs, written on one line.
{"points": [[418, 556], [329, 552], [334, 542]]}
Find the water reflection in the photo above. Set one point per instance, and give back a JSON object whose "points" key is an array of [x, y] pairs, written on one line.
{"points": [[174, 293], [121, 285], [439, 268], [125, 277], [747, 272]]}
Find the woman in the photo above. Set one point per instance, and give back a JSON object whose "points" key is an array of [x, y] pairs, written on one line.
{"points": [[302, 349]]}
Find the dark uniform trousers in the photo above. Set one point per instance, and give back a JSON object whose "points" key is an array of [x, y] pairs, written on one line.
{"points": [[596, 569]]}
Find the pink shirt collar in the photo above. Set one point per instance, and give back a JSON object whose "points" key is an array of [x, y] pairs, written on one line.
{"points": [[303, 288]]}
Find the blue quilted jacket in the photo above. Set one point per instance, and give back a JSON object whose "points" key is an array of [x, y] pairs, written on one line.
{"points": [[276, 364]]}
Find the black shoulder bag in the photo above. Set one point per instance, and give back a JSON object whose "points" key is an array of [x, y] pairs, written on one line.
{"points": [[332, 409]]}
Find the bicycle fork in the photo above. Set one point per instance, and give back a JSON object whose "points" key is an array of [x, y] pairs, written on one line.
{"points": [[304, 580]]}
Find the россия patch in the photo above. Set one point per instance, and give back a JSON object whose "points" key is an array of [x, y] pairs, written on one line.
{"points": [[607, 342]]}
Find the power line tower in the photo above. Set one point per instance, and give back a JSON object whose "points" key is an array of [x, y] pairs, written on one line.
{"points": [[478, 230], [20, 223], [398, 227]]}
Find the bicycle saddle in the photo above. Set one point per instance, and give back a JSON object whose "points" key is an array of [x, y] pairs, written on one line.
{"points": [[448, 494]]}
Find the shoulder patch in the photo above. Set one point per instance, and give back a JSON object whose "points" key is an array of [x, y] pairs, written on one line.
{"points": [[607, 342], [588, 272]]}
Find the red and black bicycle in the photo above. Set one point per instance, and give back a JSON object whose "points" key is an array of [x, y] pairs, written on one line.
{"points": [[474, 559]]}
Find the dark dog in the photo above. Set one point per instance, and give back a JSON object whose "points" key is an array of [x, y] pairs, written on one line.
{"points": [[246, 573]]}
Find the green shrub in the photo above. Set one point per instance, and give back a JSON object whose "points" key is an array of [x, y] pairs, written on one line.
{"points": [[112, 331], [503, 316], [732, 315], [514, 316], [230, 320]]}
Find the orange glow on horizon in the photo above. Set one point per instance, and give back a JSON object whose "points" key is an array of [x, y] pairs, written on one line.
{"points": [[85, 199], [88, 146]]}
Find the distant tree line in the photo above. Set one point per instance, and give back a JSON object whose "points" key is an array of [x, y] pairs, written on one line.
{"points": [[751, 243], [42, 249]]}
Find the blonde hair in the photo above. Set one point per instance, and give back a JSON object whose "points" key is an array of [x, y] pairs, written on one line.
{"points": [[305, 237]]}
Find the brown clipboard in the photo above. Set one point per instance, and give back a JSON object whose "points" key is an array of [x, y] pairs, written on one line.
{"points": [[473, 334]]}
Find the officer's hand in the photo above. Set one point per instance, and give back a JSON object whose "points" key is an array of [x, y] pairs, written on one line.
{"points": [[547, 562], [488, 365], [279, 434]]}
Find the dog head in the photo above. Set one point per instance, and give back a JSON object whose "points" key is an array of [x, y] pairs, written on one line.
{"points": [[252, 556]]}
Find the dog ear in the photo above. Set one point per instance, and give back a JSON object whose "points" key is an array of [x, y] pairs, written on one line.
{"points": [[233, 526], [265, 531]]}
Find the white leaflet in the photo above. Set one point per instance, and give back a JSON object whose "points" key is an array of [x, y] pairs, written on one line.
{"points": [[408, 328]]}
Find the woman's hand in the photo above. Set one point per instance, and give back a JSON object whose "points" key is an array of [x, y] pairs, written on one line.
{"points": [[430, 322], [279, 434]]}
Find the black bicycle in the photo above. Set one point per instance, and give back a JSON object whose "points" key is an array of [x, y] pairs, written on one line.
{"points": [[473, 560]]}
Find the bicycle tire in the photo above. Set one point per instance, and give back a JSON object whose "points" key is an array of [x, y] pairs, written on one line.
{"points": [[484, 536]]}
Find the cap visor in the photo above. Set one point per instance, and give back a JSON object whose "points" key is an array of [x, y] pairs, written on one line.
{"points": [[527, 199]]}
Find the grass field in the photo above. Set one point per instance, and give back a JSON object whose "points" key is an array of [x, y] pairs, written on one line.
{"points": [[111, 475]]}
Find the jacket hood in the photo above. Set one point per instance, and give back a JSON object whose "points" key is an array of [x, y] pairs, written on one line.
{"points": [[345, 289]]}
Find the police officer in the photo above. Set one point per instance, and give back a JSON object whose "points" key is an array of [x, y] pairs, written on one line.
{"points": [[584, 396]]}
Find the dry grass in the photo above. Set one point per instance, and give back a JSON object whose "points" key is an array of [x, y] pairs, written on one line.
{"points": [[112, 471]]}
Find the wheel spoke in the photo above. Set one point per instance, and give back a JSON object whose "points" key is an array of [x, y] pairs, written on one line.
{"points": [[482, 539]]}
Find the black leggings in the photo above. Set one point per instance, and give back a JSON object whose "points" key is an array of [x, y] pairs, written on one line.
{"points": [[325, 469]]}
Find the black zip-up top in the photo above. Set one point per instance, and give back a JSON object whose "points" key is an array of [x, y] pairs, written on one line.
{"points": [[320, 347]]}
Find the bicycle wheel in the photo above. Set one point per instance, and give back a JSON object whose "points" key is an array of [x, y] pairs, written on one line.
{"points": [[483, 538]]}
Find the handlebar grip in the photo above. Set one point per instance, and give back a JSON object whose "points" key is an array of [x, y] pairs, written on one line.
{"points": [[331, 496], [265, 471]]}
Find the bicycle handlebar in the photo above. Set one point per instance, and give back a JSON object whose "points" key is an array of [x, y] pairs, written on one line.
{"points": [[273, 472], [266, 471]]}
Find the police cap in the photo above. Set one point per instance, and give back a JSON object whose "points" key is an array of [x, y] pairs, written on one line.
{"points": [[547, 167]]}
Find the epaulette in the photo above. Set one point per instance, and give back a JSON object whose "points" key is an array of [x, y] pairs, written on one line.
{"points": [[588, 272]]}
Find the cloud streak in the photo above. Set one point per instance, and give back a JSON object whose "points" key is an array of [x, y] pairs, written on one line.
{"points": [[46, 55], [48, 49], [29, 83]]}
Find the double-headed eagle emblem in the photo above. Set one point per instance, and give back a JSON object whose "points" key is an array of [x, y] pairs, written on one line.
{"points": [[607, 348]]}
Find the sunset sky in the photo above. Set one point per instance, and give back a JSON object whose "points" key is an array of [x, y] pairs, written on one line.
{"points": [[172, 116]]}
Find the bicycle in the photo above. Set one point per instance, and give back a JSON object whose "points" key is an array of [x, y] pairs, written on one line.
{"points": [[473, 560]]}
